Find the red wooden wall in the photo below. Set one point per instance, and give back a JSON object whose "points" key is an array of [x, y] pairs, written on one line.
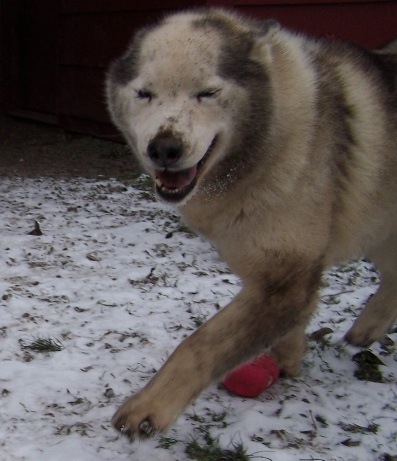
{"points": [[55, 52]]}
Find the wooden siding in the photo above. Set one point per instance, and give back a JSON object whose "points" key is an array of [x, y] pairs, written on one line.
{"points": [[56, 51], [368, 24]]}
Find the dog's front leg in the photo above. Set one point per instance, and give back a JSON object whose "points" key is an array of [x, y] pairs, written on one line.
{"points": [[260, 314]]}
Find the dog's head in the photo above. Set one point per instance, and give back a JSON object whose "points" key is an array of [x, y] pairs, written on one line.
{"points": [[179, 96]]}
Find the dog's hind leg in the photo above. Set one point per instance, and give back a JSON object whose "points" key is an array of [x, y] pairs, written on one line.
{"points": [[288, 351], [380, 313]]}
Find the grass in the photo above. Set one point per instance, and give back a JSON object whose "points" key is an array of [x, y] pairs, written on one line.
{"points": [[207, 449], [356, 429], [210, 450], [167, 442], [42, 345]]}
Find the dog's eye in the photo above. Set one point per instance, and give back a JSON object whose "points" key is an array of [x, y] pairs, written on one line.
{"points": [[144, 94], [208, 93]]}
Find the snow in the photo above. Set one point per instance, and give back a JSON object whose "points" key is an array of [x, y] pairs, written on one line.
{"points": [[119, 282]]}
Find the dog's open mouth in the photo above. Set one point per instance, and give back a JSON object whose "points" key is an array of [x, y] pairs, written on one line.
{"points": [[174, 186]]}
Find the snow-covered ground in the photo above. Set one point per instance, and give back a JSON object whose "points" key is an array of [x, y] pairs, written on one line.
{"points": [[119, 282]]}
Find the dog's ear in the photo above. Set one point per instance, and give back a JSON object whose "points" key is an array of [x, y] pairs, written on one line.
{"points": [[262, 48], [269, 26]]}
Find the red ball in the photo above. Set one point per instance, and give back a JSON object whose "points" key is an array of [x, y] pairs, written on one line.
{"points": [[251, 379]]}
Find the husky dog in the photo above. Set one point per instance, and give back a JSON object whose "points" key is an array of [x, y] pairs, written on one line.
{"points": [[282, 151]]}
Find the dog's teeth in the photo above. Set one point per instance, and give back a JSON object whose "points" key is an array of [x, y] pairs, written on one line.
{"points": [[163, 188], [168, 191]]}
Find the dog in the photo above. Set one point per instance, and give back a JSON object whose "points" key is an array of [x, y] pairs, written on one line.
{"points": [[280, 149]]}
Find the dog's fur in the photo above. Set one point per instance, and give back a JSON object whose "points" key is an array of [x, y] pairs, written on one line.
{"points": [[282, 151]]}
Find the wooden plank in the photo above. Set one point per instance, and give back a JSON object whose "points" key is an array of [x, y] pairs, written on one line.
{"points": [[81, 93], [9, 45], [37, 116], [361, 23], [94, 39], [93, 128], [38, 40], [31, 48], [265, 3]]}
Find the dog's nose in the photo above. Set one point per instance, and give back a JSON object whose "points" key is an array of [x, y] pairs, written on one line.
{"points": [[165, 149]]}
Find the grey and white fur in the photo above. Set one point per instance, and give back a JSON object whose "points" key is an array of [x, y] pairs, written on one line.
{"points": [[282, 151]]}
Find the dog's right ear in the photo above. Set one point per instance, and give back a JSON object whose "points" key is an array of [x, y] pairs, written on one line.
{"points": [[262, 48], [269, 26], [125, 68]]}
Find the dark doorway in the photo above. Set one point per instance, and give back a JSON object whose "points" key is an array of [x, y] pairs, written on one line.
{"points": [[34, 56]]}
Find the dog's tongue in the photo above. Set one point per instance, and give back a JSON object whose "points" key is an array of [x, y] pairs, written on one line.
{"points": [[176, 179]]}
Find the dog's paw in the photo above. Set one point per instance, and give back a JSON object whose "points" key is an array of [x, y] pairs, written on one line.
{"points": [[363, 334], [132, 430], [135, 424], [140, 418], [128, 428]]}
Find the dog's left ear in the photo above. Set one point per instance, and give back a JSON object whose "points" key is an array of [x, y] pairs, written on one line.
{"points": [[262, 48]]}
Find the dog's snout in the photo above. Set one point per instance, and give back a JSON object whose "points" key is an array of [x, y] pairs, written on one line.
{"points": [[165, 149]]}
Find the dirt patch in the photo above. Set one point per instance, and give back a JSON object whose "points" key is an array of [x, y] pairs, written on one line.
{"points": [[30, 149]]}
